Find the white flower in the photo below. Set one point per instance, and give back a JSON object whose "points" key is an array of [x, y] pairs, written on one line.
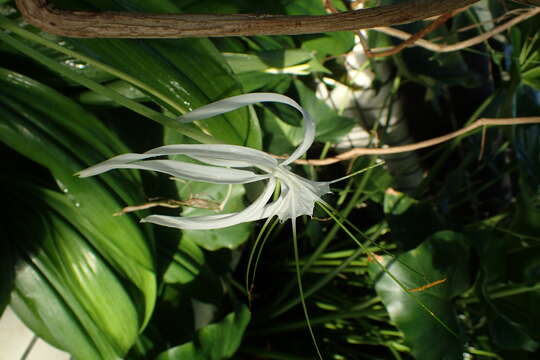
{"points": [[231, 164]]}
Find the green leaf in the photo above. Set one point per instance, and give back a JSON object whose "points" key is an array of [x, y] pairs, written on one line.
{"points": [[255, 80], [122, 87], [263, 61], [213, 342], [186, 264], [64, 290], [230, 237], [330, 125], [327, 44], [411, 221], [188, 73], [61, 136], [505, 332], [433, 273], [281, 137]]}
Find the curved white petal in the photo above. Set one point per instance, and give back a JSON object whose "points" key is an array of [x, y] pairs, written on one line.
{"points": [[196, 172], [235, 102], [298, 196], [251, 213], [113, 163], [219, 154]]}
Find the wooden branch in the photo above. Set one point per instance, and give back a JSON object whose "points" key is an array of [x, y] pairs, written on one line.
{"points": [[356, 152], [108, 24], [462, 44], [412, 39]]}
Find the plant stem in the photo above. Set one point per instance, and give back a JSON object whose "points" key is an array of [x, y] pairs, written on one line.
{"points": [[502, 294], [326, 241]]}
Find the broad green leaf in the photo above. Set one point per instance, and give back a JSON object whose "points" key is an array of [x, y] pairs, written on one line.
{"points": [[327, 44], [230, 237], [213, 342], [433, 273], [64, 290], [260, 81], [122, 87], [330, 125], [277, 60], [281, 138], [188, 73], [186, 263], [58, 134], [504, 331]]}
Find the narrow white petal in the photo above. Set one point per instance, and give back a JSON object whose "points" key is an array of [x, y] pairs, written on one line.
{"points": [[113, 163], [219, 154], [298, 196], [235, 102], [196, 172], [251, 213]]}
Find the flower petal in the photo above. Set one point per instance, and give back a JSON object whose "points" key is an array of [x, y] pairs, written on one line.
{"points": [[251, 213], [298, 196], [113, 163], [189, 171], [219, 154], [196, 172], [235, 102]]}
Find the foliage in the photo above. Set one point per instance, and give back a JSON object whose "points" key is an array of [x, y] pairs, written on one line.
{"points": [[445, 267]]}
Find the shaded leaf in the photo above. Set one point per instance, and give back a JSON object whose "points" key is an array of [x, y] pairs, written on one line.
{"points": [[433, 273], [214, 342], [277, 60], [410, 220], [330, 125]]}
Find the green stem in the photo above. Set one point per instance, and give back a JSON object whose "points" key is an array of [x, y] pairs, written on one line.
{"points": [[483, 353], [329, 236], [502, 294], [387, 272], [301, 290], [292, 326], [318, 285]]}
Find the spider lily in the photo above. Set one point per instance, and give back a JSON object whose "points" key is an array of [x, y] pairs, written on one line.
{"points": [[231, 164]]}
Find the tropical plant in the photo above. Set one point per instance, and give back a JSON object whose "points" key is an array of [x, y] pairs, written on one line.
{"points": [[432, 254]]}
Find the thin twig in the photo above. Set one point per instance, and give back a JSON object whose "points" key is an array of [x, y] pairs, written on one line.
{"points": [[110, 24], [356, 152], [413, 38], [173, 204], [329, 7], [427, 286], [442, 48]]}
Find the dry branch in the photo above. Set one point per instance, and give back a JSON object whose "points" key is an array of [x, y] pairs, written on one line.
{"points": [[356, 152], [143, 25], [462, 44]]}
